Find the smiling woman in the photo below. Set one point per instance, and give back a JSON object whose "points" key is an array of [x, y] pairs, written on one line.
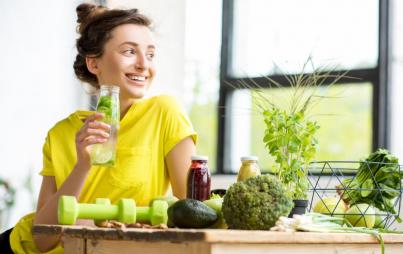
{"points": [[155, 138]]}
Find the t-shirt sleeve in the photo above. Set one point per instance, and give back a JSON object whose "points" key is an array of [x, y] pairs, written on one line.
{"points": [[177, 125], [47, 169]]}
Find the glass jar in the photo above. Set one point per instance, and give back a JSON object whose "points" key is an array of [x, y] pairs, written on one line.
{"points": [[199, 179], [108, 103], [249, 168]]}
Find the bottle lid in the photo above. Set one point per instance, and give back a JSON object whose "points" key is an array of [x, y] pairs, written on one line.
{"points": [[110, 87], [249, 158], [199, 158]]}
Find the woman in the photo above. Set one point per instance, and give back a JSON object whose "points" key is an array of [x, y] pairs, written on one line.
{"points": [[155, 142]]}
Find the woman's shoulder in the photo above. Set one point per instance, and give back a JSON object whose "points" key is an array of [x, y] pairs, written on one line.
{"points": [[165, 102], [163, 99], [70, 123]]}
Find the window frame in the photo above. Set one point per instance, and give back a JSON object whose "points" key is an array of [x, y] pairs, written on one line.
{"points": [[377, 76]]}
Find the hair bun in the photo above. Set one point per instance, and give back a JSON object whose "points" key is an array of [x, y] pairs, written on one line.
{"points": [[86, 12]]}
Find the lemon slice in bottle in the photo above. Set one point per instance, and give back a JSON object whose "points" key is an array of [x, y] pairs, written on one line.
{"points": [[101, 156]]}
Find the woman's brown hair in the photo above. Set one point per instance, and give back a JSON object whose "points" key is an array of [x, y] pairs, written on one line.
{"points": [[95, 24]]}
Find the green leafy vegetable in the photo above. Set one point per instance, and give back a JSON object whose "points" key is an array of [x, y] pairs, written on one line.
{"points": [[378, 182], [106, 105], [315, 222]]}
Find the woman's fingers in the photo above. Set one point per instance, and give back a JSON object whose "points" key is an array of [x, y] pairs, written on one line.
{"points": [[92, 127], [93, 132], [99, 125], [94, 117], [92, 140]]}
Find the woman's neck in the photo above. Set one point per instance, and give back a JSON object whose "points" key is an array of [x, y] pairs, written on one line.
{"points": [[125, 105]]}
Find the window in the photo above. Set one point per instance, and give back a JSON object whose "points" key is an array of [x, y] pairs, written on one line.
{"points": [[202, 64], [271, 31], [269, 38]]}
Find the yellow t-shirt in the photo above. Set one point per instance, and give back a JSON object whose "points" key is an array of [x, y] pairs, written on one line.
{"points": [[148, 131]]}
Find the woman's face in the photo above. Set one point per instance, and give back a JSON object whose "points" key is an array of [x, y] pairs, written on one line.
{"points": [[127, 61]]}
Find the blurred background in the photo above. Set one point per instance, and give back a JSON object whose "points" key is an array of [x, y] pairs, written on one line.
{"points": [[203, 45]]}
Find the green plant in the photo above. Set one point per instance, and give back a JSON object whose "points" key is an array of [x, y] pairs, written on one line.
{"points": [[290, 139], [289, 134]]}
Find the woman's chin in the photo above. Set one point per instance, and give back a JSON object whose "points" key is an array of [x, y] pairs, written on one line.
{"points": [[137, 93]]}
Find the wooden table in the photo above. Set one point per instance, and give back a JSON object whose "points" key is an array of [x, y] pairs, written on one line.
{"points": [[80, 240]]}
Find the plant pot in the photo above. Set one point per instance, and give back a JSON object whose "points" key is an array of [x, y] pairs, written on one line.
{"points": [[220, 192], [300, 206]]}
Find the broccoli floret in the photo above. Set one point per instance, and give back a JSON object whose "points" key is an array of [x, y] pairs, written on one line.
{"points": [[256, 204]]}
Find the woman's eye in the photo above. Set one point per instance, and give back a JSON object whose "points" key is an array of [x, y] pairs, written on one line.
{"points": [[129, 52], [150, 55]]}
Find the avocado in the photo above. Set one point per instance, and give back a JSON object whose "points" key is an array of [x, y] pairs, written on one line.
{"points": [[191, 213]]}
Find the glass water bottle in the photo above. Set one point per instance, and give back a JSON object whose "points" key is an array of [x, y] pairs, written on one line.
{"points": [[108, 103]]}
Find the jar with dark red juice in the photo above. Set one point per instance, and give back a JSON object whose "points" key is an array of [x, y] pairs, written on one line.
{"points": [[199, 179]]}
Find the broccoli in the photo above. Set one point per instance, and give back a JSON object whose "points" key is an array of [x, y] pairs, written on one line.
{"points": [[256, 204]]}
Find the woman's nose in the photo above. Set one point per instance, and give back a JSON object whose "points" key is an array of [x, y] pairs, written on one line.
{"points": [[141, 62]]}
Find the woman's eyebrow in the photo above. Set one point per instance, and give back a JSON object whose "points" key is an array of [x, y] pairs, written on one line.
{"points": [[151, 46]]}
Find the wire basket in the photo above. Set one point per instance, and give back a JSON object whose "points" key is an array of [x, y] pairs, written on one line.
{"points": [[377, 201]]}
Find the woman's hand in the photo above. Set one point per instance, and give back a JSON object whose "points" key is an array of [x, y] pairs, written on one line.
{"points": [[92, 132]]}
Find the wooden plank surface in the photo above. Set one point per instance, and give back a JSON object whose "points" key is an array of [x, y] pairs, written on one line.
{"points": [[74, 245], [130, 247], [282, 248], [210, 235]]}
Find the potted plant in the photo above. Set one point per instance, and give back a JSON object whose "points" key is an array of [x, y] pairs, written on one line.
{"points": [[289, 135], [290, 138]]}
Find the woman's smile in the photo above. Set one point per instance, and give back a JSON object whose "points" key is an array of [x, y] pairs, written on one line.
{"points": [[136, 79]]}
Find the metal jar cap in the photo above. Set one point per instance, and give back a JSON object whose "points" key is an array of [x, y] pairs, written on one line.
{"points": [[199, 158], [249, 158]]}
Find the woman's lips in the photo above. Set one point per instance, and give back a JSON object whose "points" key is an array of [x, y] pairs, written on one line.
{"points": [[137, 80]]}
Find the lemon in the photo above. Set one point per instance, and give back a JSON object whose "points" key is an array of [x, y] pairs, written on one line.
{"points": [[100, 155], [361, 215], [330, 206]]}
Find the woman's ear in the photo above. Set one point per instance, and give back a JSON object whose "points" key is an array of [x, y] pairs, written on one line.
{"points": [[92, 65]]}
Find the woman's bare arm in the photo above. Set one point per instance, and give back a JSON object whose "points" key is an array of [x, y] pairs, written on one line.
{"points": [[48, 200], [92, 132], [178, 162]]}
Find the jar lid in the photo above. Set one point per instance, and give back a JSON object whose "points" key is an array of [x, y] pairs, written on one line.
{"points": [[249, 158], [199, 158]]}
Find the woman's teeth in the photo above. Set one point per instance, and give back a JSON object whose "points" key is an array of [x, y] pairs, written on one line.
{"points": [[137, 78]]}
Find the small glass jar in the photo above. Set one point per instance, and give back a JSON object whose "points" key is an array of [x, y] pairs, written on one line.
{"points": [[249, 168], [108, 103], [199, 179]]}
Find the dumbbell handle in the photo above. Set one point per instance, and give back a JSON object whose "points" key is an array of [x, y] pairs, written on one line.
{"points": [[143, 213], [68, 210], [97, 211]]}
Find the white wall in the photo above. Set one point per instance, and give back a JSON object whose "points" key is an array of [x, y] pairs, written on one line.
{"points": [[37, 86]]}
